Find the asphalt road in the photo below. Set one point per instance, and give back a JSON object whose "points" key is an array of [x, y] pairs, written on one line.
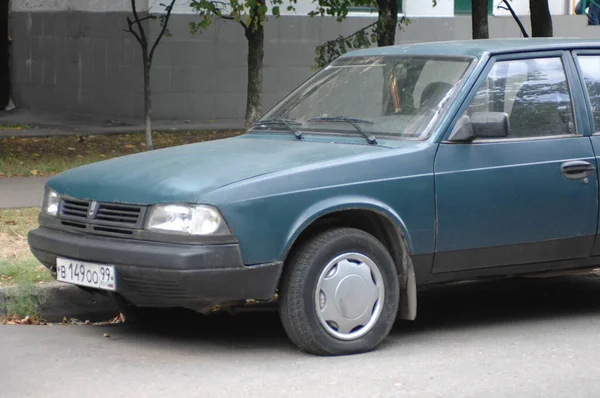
{"points": [[519, 338]]}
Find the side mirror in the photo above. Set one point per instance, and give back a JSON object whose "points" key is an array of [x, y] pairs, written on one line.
{"points": [[480, 125]]}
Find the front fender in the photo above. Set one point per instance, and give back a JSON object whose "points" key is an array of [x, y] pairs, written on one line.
{"points": [[339, 203]]}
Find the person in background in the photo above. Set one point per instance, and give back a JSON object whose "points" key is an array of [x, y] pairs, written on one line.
{"points": [[593, 11]]}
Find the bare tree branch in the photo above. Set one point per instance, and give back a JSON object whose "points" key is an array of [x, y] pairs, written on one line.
{"points": [[136, 18], [362, 29], [133, 32], [214, 2], [147, 17], [169, 9], [515, 17]]}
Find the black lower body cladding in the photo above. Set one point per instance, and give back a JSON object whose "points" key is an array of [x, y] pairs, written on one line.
{"points": [[154, 274]]}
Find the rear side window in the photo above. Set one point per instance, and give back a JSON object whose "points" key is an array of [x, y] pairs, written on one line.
{"points": [[533, 93], [590, 67]]}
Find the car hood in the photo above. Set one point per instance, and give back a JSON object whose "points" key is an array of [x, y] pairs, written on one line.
{"points": [[182, 174]]}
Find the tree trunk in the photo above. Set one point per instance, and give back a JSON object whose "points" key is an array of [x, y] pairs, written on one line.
{"points": [[541, 21], [148, 104], [388, 19], [256, 39], [479, 19], [4, 68]]}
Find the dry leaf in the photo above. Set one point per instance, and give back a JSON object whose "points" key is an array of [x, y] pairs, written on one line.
{"points": [[33, 172], [118, 319], [25, 321], [10, 222]]}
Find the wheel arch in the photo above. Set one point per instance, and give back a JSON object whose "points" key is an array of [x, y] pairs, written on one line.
{"points": [[372, 217]]}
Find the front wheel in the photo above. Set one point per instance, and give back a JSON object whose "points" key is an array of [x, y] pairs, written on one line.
{"points": [[339, 293]]}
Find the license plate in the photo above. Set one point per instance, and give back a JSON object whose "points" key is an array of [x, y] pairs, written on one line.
{"points": [[87, 274]]}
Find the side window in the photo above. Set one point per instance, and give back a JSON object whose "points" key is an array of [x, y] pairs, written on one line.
{"points": [[590, 66], [533, 93]]}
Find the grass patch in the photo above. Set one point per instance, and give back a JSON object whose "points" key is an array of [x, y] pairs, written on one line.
{"points": [[20, 272], [47, 156], [24, 300], [24, 271], [17, 264], [14, 127]]}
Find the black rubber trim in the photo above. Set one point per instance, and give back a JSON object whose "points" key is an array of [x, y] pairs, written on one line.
{"points": [[153, 274], [423, 265], [79, 226], [132, 252], [524, 253]]}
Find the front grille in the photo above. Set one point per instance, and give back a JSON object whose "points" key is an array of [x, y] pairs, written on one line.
{"points": [[74, 224], [122, 214], [97, 215], [75, 208], [113, 230]]}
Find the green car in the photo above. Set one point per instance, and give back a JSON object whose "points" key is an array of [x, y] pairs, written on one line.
{"points": [[390, 169]]}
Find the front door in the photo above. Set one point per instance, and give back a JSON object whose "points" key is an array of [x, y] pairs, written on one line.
{"points": [[527, 198]]}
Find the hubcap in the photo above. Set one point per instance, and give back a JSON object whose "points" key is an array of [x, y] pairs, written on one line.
{"points": [[349, 296]]}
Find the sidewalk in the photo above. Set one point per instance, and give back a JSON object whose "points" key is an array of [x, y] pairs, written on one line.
{"points": [[42, 124], [21, 192]]}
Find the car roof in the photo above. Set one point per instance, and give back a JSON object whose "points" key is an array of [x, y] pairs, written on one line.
{"points": [[480, 48]]}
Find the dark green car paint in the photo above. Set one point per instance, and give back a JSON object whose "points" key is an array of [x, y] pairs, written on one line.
{"points": [[183, 174], [449, 200]]}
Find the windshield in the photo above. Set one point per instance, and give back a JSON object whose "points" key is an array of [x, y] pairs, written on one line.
{"points": [[399, 96]]}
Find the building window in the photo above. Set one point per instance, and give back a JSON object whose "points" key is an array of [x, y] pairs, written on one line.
{"points": [[464, 6], [373, 9]]}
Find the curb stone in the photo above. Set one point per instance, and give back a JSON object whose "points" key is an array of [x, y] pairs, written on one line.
{"points": [[62, 300]]}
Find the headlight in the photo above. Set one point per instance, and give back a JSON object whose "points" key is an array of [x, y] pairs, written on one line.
{"points": [[188, 219], [50, 202]]}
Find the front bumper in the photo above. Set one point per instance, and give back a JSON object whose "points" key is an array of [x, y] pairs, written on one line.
{"points": [[153, 274]]}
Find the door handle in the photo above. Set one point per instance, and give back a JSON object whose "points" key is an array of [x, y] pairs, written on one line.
{"points": [[577, 169]]}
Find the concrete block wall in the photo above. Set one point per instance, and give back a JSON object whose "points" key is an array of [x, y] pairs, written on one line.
{"points": [[76, 62], [79, 61], [205, 76]]}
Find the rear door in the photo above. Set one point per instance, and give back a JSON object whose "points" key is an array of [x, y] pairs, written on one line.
{"points": [[588, 65], [528, 198]]}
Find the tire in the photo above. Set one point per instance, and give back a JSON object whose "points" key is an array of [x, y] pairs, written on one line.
{"points": [[303, 310]]}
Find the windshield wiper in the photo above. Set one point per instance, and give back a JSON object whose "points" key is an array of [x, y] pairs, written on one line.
{"points": [[289, 123], [354, 122]]}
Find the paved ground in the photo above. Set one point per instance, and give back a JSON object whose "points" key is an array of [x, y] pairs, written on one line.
{"points": [[21, 192], [520, 338]]}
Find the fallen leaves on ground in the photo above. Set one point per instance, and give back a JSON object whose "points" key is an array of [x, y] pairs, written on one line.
{"points": [[74, 321], [14, 320], [118, 319]]}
